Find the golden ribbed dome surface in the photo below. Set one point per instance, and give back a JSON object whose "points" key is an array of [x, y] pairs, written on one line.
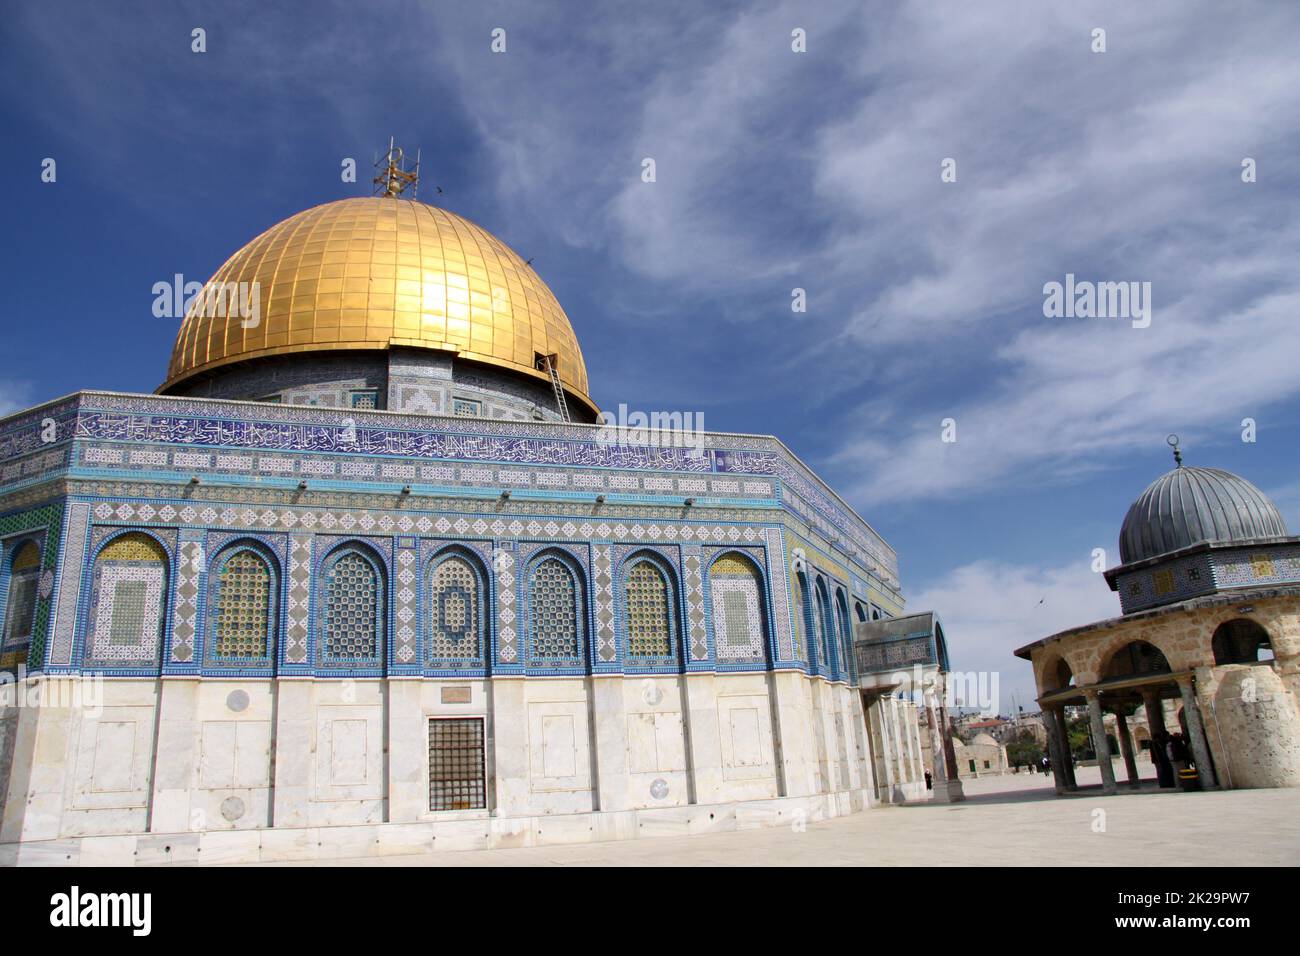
{"points": [[377, 272]]}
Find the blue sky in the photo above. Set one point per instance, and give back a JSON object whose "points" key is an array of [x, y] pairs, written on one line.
{"points": [[775, 170]]}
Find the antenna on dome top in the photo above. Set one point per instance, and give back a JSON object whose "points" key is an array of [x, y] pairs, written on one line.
{"points": [[394, 178], [1172, 441]]}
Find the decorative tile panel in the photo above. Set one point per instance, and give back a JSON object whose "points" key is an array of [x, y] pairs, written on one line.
{"points": [[603, 604], [68, 589], [698, 634], [192, 564], [298, 603]]}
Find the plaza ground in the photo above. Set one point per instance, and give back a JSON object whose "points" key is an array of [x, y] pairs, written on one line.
{"points": [[1013, 820]]}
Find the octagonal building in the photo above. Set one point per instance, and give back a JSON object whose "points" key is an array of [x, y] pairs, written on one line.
{"points": [[370, 574]]}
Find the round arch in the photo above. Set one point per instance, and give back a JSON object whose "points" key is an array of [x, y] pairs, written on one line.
{"points": [[1134, 658], [845, 628], [825, 622], [736, 595], [548, 609], [20, 571], [352, 625], [232, 588], [1241, 640], [633, 573], [130, 607], [455, 620]]}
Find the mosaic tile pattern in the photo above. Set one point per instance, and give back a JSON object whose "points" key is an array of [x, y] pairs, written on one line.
{"points": [[824, 662], [553, 613], [406, 604], [571, 445], [244, 606], [69, 584], [602, 579], [805, 627], [847, 668], [192, 565], [695, 617], [352, 623], [298, 602], [737, 614], [538, 523], [649, 615], [780, 591], [128, 601], [20, 601], [503, 566], [454, 598]]}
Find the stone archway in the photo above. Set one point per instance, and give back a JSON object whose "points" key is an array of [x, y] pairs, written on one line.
{"points": [[1241, 641], [1136, 658]]}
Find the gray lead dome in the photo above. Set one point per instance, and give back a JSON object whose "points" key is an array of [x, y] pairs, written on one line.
{"points": [[1190, 505]]}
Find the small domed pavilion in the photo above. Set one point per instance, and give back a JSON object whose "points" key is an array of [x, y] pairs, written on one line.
{"points": [[1209, 587]]}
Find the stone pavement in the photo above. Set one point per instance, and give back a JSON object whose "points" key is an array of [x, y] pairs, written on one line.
{"points": [[1012, 820]]}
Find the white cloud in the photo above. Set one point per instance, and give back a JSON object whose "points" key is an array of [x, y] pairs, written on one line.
{"points": [[989, 608], [823, 168]]}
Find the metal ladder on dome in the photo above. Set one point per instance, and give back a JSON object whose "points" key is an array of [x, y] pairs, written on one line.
{"points": [[557, 387]]}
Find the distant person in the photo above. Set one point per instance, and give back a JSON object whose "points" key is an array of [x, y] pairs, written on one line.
{"points": [[929, 781], [1176, 751], [1160, 757], [1047, 765]]}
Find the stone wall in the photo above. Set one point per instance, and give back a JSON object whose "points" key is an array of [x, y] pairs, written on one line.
{"points": [[186, 756], [1250, 711]]}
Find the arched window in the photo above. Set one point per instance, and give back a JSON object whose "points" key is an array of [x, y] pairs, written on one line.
{"points": [[648, 605], [738, 623], [1241, 641], [822, 623], [352, 612], [455, 610], [846, 634], [803, 618], [128, 603], [555, 613], [242, 606], [20, 607], [859, 610]]}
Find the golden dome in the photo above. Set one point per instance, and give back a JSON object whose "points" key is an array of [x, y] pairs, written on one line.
{"points": [[377, 272]]}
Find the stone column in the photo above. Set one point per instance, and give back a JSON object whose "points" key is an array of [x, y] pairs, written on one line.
{"points": [[609, 713], [885, 787], [1062, 735], [794, 726], [294, 752], [1099, 742], [947, 783], [179, 732], [510, 742], [1126, 748], [1054, 750], [1196, 731], [1156, 724]]}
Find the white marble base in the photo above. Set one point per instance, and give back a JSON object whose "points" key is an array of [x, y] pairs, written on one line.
{"points": [[281, 844]]}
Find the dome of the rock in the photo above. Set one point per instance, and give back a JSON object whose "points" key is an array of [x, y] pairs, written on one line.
{"points": [[376, 273]]}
